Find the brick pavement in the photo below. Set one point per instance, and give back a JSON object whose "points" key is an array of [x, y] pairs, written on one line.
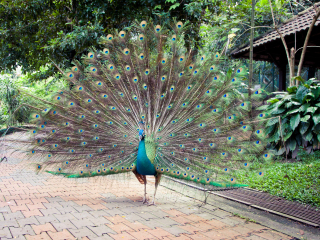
{"points": [[43, 206]]}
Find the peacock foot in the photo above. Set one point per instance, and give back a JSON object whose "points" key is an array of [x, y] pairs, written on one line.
{"points": [[152, 204]]}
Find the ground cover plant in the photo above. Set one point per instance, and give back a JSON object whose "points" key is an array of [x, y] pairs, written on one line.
{"points": [[296, 180]]}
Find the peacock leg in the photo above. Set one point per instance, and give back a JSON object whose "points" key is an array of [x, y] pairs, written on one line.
{"points": [[145, 189], [157, 178]]}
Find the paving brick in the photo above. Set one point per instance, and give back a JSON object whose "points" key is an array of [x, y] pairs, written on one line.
{"points": [[99, 213], [82, 215], [82, 232], [5, 233], [42, 236], [133, 217], [103, 237], [21, 231], [99, 221], [142, 234], [175, 230], [113, 212], [97, 206], [120, 227], [181, 237], [122, 236], [229, 233], [5, 209], [159, 233], [242, 230], [34, 212], [64, 217], [80, 223], [54, 199], [8, 223], [207, 216], [64, 234], [165, 222], [270, 235], [63, 225], [68, 204], [82, 208], [49, 211], [27, 221], [47, 219], [181, 219], [198, 236], [221, 213], [101, 230], [43, 228], [173, 212], [190, 228], [36, 206], [203, 226], [24, 201], [117, 219], [65, 210], [19, 208], [146, 215], [39, 200], [256, 227], [216, 224], [13, 216]]}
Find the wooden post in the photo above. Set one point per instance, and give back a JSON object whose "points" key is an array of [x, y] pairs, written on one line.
{"points": [[282, 77]]}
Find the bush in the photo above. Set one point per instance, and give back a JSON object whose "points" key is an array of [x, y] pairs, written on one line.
{"points": [[299, 110]]}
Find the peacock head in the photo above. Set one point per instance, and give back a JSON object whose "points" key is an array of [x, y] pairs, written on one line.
{"points": [[141, 130]]}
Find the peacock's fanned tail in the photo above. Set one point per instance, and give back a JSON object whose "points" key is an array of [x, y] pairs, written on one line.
{"points": [[196, 121]]}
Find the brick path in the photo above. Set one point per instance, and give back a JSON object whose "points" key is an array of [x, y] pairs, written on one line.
{"points": [[43, 206]]}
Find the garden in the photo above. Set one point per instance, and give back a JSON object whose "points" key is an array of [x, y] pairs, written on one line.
{"points": [[42, 40]]}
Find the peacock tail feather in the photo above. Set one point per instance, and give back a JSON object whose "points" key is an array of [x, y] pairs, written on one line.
{"points": [[196, 123]]}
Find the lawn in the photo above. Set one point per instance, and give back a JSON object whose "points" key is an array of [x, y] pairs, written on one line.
{"points": [[296, 180]]}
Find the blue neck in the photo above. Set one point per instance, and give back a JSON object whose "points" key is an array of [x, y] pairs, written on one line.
{"points": [[144, 165]]}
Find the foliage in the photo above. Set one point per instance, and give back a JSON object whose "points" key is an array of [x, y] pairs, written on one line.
{"points": [[299, 110], [32, 33], [14, 102], [298, 181], [10, 101]]}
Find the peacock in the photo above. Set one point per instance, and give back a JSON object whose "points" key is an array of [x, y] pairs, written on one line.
{"points": [[146, 104]]}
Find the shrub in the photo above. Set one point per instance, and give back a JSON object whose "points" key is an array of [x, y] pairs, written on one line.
{"points": [[299, 110]]}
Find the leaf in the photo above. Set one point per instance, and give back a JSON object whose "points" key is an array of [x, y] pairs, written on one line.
{"points": [[157, 7], [294, 121], [316, 118], [286, 137], [304, 107], [281, 151], [305, 118], [311, 109], [174, 6], [273, 100], [298, 78], [303, 127], [301, 93], [292, 111], [272, 122], [263, 107], [291, 144], [277, 111], [292, 89], [309, 136]]}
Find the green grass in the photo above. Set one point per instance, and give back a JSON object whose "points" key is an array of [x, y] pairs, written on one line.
{"points": [[298, 180]]}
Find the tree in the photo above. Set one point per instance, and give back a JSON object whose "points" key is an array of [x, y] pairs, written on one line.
{"points": [[34, 33]]}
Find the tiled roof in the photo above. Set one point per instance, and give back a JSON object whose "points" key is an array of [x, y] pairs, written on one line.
{"points": [[298, 23]]}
